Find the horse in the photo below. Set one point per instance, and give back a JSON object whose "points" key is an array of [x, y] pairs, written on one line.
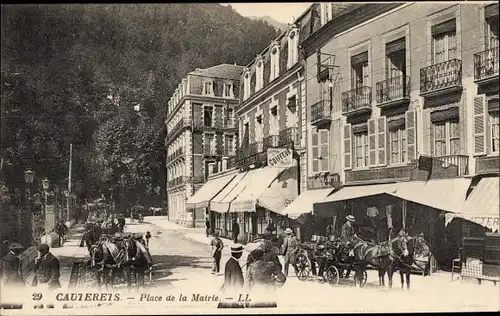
{"points": [[109, 259], [381, 256], [138, 261], [417, 247], [91, 235]]}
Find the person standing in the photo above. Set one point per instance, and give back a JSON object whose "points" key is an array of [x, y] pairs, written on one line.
{"points": [[233, 280], [289, 249], [47, 271], [236, 231], [62, 230], [216, 246], [12, 270], [207, 226]]}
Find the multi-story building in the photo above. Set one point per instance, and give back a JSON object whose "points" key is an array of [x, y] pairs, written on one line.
{"points": [[402, 107], [272, 151], [201, 128]]}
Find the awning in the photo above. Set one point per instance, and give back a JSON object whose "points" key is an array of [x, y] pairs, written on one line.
{"points": [[303, 204], [444, 194], [220, 203], [482, 206], [348, 193], [270, 187], [213, 186]]}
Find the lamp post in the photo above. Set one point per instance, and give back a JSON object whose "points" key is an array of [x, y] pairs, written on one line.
{"points": [[45, 185], [29, 176]]}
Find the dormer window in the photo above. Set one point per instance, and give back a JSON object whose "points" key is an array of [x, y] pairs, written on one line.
{"points": [[326, 13], [208, 88], [259, 74], [275, 62], [246, 85], [293, 45], [228, 90]]}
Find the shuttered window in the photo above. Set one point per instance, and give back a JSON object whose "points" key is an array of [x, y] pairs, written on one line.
{"points": [[495, 131], [315, 151], [492, 30], [361, 150], [347, 132], [398, 146], [444, 42], [324, 143], [446, 138], [372, 142], [479, 125], [411, 134], [382, 140], [359, 71]]}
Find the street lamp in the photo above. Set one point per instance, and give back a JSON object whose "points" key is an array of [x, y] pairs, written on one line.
{"points": [[45, 186], [29, 176]]}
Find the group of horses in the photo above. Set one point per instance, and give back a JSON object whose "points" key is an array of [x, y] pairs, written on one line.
{"points": [[402, 253], [111, 257]]}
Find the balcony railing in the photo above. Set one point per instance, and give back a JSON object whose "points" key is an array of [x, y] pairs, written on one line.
{"points": [[393, 91], [486, 64], [271, 141], [442, 76], [176, 154], [321, 112], [289, 136], [175, 182], [251, 150], [201, 123], [461, 161], [357, 100]]}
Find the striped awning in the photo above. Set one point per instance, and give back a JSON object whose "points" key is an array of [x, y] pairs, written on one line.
{"points": [[482, 205], [303, 204], [220, 203], [213, 186]]}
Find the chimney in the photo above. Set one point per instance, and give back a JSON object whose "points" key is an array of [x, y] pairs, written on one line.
{"points": [[224, 163], [211, 168]]}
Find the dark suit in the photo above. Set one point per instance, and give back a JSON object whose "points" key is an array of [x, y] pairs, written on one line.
{"points": [[12, 271], [236, 231], [233, 276], [47, 271]]}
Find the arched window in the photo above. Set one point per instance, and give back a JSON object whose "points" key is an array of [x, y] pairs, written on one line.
{"points": [[259, 74], [246, 84], [275, 62], [293, 44]]}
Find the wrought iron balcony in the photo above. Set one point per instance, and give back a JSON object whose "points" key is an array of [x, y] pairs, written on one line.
{"points": [[393, 91], [289, 136], [252, 149], [357, 101], [486, 66], [175, 155], [321, 113], [460, 161], [271, 141], [442, 77]]}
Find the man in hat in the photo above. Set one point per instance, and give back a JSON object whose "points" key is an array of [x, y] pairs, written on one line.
{"points": [[47, 269], [347, 232], [233, 276], [236, 231], [289, 249], [61, 230], [216, 246], [12, 271], [207, 226]]}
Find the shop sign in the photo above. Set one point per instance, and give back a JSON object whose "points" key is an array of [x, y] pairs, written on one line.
{"points": [[279, 157], [492, 222]]}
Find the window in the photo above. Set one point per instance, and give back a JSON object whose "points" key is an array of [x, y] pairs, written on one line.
{"points": [[320, 151], [361, 150], [275, 63], [229, 117], [208, 88], [491, 19], [228, 90], [229, 144], [495, 131], [246, 85], [326, 12], [259, 75], [444, 42], [293, 44], [395, 59], [446, 138], [274, 121], [359, 71], [259, 128], [210, 144], [208, 116], [246, 136], [397, 138]]}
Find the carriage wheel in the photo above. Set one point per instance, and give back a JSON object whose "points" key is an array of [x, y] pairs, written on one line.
{"points": [[332, 275], [362, 279], [303, 266]]}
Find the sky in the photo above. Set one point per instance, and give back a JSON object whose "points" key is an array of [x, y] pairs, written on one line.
{"points": [[281, 12]]}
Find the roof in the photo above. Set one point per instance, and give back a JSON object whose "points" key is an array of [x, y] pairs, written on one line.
{"points": [[226, 71]]}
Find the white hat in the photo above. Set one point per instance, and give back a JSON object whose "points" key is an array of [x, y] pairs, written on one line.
{"points": [[288, 231], [350, 218], [237, 248]]}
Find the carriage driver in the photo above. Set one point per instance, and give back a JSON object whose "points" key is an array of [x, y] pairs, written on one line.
{"points": [[347, 232]]}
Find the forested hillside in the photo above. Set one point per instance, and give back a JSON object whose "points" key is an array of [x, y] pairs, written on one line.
{"points": [[73, 73]]}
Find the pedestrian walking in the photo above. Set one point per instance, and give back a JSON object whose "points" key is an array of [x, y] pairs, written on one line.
{"points": [[47, 271], [12, 269], [216, 246], [236, 231], [61, 230], [233, 279], [207, 226], [289, 249]]}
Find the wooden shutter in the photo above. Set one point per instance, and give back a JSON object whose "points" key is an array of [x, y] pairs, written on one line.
{"points": [[347, 147], [479, 125], [324, 142], [382, 140], [372, 142], [411, 134], [315, 151]]}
